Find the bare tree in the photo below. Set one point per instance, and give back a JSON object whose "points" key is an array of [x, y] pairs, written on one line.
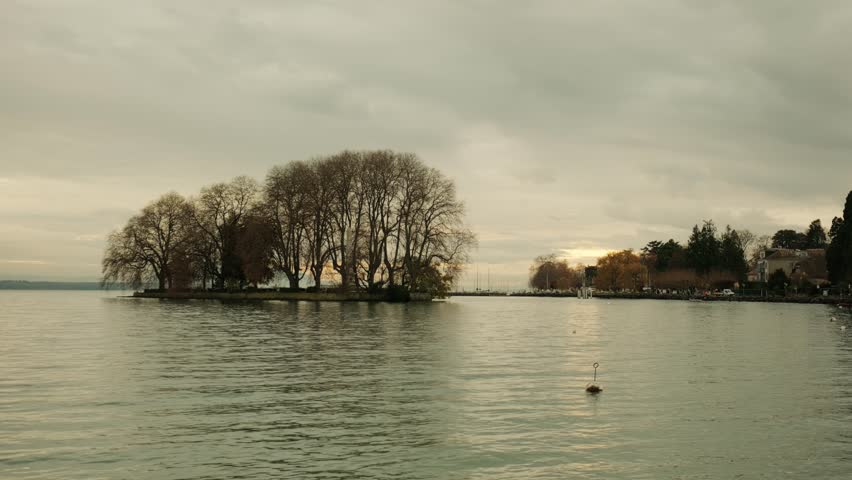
{"points": [[379, 181], [548, 272], [201, 255], [409, 210], [346, 214], [219, 213], [150, 245], [760, 244], [124, 262], [286, 206], [746, 241], [435, 232], [319, 195]]}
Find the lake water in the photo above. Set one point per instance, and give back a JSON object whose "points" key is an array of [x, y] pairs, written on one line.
{"points": [[93, 386]]}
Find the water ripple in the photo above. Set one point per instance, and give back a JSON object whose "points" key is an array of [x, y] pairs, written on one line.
{"points": [[94, 386]]}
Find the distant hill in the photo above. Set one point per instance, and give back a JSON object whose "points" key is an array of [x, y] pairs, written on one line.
{"points": [[27, 285]]}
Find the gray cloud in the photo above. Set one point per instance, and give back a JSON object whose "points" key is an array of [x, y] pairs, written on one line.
{"points": [[589, 126]]}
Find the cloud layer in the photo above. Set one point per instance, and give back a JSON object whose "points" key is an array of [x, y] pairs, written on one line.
{"points": [[569, 127]]}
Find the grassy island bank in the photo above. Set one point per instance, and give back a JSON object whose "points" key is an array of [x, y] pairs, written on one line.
{"points": [[291, 296]]}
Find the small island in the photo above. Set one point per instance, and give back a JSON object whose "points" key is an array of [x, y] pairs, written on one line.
{"points": [[357, 225]]}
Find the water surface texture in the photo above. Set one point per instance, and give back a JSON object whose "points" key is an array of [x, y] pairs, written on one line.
{"points": [[93, 386]]}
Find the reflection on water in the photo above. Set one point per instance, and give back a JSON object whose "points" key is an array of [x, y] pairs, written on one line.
{"points": [[93, 386]]}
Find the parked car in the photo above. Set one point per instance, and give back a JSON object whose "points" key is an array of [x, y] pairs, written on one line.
{"points": [[727, 293]]}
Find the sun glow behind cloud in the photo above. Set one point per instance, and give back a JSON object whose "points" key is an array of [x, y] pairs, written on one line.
{"points": [[586, 256]]}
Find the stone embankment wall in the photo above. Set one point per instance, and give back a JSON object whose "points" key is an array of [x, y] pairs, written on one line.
{"points": [[306, 296]]}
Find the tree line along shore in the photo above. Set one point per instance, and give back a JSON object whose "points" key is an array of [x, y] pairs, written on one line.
{"points": [[377, 222], [788, 263]]}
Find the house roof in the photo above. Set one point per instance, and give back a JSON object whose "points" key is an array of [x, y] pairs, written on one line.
{"points": [[779, 253]]}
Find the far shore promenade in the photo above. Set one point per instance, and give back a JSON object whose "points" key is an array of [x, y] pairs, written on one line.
{"points": [[844, 300]]}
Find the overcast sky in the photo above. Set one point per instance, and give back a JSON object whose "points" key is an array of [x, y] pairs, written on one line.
{"points": [[569, 127]]}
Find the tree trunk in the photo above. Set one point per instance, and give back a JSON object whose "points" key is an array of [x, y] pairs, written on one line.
{"points": [[317, 274], [344, 279]]}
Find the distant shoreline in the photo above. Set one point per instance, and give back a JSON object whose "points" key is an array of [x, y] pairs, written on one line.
{"points": [[40, 285], [815, 300]]}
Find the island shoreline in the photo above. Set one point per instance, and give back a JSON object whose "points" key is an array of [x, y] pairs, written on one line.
{"points": [[287, 296]]}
